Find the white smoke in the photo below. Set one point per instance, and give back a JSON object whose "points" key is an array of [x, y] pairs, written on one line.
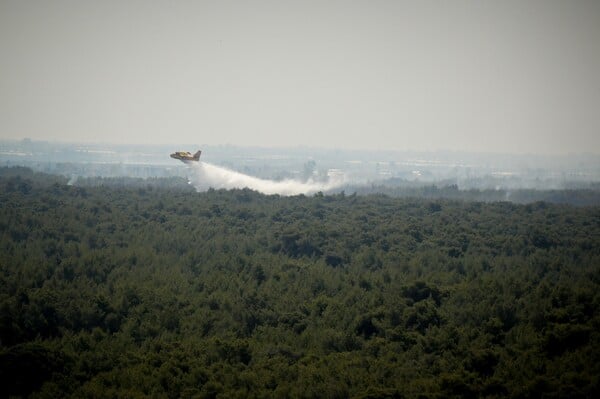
{"points": [[72, 180], [205, 175]]}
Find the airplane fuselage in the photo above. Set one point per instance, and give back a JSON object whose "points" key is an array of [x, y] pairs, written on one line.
{"points": [[186, 156]]}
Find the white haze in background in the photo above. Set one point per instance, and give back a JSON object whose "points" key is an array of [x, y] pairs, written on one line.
{"points": [[205, 175]]}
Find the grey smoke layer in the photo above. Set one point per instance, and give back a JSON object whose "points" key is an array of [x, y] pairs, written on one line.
{"points": [[463, 75]]}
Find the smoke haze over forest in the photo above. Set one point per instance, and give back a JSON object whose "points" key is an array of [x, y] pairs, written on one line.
{"points": [[291, 171]]}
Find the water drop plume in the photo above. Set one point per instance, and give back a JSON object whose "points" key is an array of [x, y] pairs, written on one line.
{"points": [[204, 175]]}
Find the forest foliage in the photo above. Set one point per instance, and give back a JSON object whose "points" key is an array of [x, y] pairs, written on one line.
{"points": [[155, 292]]}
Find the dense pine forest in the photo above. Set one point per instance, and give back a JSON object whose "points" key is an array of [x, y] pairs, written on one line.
{"points": [[131, 292]]}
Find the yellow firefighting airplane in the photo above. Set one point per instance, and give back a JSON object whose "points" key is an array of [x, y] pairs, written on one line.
{"points": [[185, 156]]}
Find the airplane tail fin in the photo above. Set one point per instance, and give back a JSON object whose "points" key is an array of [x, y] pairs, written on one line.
{"points": [[197, 155]]}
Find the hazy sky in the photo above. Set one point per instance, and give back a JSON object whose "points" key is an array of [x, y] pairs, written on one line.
{"points": [[501, 76]]}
